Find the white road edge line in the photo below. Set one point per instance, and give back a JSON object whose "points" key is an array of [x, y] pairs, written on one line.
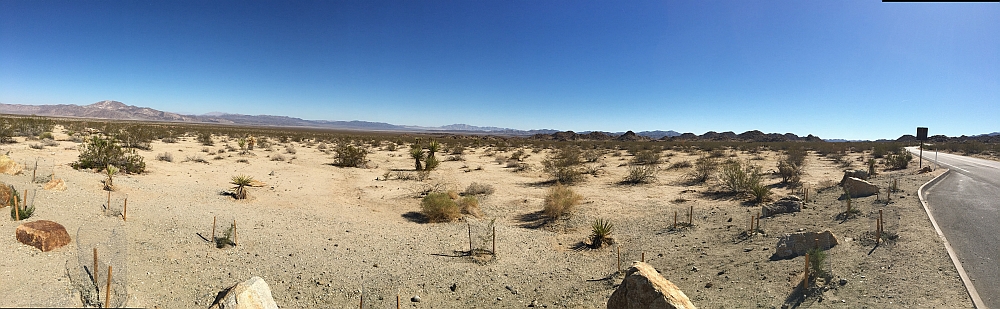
{"points": [[976, 300]]}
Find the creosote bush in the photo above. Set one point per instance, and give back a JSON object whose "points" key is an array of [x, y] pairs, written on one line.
{"points": [[566, 165], [638, 174], [740, 177], [900, 160], [439, 207], [478, 189], [350, 156], [704, 167], [98, 153], [560, 201]]}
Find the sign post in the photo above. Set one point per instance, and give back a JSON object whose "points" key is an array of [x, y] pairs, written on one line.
{"points": [[922, 137]]}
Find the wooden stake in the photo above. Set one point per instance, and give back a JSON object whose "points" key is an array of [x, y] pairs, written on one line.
{"points": [[675, 219], [619, 258], [107, 290], [125, 210], [213, 227], [470, 238], [878, 232], [494, 240], [691, 216], [397, 301], [17, 211], [643, 257], [234, 232], [805, 279], [94, 270], [109, 201]]}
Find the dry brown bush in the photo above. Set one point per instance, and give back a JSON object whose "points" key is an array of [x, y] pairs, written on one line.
{"points": [[560, 201], [439, 207]]}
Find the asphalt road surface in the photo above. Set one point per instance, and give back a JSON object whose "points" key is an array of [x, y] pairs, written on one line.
{"points": [[966, 205]]}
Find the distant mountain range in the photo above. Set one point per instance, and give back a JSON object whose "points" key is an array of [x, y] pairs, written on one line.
{"points": [[120, 111]]}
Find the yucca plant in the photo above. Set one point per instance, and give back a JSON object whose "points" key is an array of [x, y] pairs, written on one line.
{"points": [[109, 183], [417, 154], [760, 192], [19, 210], [241, 182], [600, 232], [432, 148]]}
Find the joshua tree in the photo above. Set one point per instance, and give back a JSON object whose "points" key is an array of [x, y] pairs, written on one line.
{"points": [[110, 171], [241, 182], [432, 148], [417, 154]]}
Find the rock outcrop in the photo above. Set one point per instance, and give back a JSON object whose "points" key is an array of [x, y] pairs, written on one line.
{"points": [[643, 287], [786, 204], [859, 188], [859, 174], [251, 294], [42, 234], [797, 244]]}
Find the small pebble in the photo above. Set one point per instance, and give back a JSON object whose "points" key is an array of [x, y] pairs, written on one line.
{"points": [[415, 299]]}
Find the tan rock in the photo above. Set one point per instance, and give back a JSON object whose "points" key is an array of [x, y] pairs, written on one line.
{"points": [[797, 244], [9, 167], [643, 287], [42, 234], [251, 294], [55, 185], [858, 187]]}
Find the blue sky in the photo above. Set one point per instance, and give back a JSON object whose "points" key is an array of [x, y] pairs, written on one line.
{"points": [[836, 69]]}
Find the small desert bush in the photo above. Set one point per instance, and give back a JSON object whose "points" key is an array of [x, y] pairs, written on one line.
{"points": [[478, 189], [45, 135], [277, 157], [439, 207], [638, 174], [739, 177], [205, 139], [681, 164], [760, 192], [289, 149], [470, 205], [900, 160], [350, 156], [600, 233], [169, 140], [37, 146], [195, 158], [98, 153], [645, 157], [790, 172], [560, 201], [166, 156], [565, 165], [19, 209], [704, 167], [817, 264], [431, 162]]}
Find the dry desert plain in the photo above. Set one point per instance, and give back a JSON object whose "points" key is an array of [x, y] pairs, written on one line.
{"points": [[322, 236]]}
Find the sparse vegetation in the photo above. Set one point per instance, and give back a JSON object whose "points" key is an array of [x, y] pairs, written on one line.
{"points": [[740, 177], [560, 201], [478, 189], [20, 209], [638, 174], [166, 156], [110, 172], [470, 205], [205, 139], [417, 154], [899, 160], [565, 165], [646, 157], [704, 167]]}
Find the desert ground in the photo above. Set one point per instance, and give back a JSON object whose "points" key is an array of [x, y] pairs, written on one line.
{"points": [[324, 236]]}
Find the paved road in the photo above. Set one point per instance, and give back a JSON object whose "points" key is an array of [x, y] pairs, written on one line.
{"points": [[966, 205]]}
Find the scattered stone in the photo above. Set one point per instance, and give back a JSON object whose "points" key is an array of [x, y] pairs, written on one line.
{"points": [[797, 244], [511, 289], [843, 281], [694, 268], [926, 169], [643, 287], [251, 294], [747, 249], [708, 285], [415, 299], [534, 303], [786, 204], [859, 174], [858, 187], [42, 234], [453, 287]]}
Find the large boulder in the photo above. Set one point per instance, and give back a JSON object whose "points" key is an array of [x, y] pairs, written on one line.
{"points": [[42, 234], [251, 294], [859, 174], [643, 288], [786, 204], [797, 244], [859, 188]]}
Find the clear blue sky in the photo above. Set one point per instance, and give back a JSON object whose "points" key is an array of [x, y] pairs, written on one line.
{"points": [[836, 69]]}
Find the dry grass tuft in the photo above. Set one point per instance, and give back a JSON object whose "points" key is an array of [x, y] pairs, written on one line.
{"points": [[470, 205], [439, 207], [560, 201]]}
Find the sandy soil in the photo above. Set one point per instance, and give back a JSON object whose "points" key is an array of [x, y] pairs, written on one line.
{"points": [[322, 235]]}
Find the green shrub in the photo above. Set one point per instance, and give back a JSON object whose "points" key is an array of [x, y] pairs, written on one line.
{"points": [[640, 174], [645, 157], [560, 201], [45, 135], [738, 177], [760, 192], [790, 172], [431, 162], [98, 153], [439, 207], [350, 156], [205, 139], [19, 209], [899, 160], [704, 167], [600, 233], [817, 264]]}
